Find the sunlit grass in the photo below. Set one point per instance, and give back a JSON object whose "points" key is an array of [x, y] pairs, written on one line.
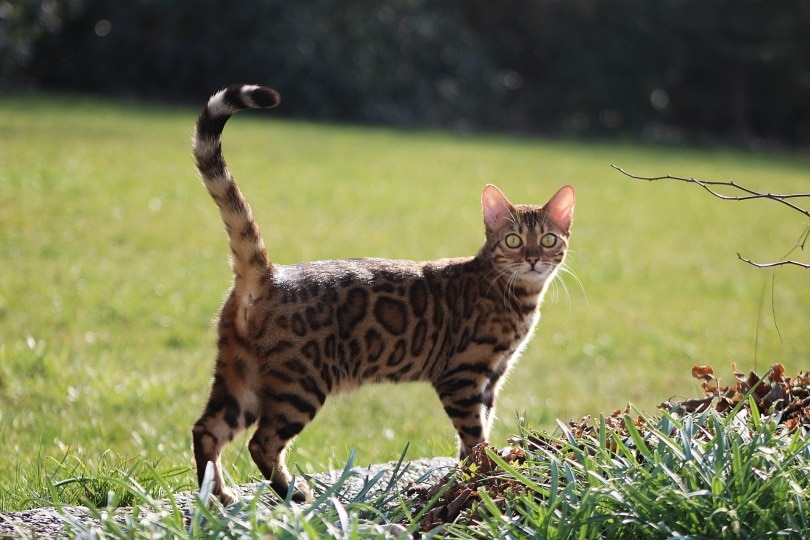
{"points": [[114, 265], [696, 476]]}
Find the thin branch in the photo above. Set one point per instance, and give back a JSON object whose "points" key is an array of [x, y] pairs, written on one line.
{"points": [[750, 194], [800, 243], [708, 186], [772, 264]]}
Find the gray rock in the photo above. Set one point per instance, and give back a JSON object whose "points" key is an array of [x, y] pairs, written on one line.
{"points": [[366, 482]]}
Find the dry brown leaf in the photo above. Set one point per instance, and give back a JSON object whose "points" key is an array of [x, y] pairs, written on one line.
{"points": [[705, 373]]}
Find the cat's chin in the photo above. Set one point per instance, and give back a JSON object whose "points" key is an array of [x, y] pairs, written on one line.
{"points": [[536, 278]]}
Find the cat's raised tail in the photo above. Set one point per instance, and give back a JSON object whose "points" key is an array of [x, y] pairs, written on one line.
{"points": [[250, 260]]}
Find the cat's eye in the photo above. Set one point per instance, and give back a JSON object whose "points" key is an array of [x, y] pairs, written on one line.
{"points": [[548, 240], [513, 240]]}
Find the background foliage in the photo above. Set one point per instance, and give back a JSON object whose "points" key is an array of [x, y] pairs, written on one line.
{"points": [[671, 69]]}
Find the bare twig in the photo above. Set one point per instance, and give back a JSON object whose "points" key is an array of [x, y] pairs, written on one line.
{"points": [[749, 194], [772, 264], [800, 243], [709, 186]]}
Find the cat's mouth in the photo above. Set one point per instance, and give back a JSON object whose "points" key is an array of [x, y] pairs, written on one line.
{"points": [[537, 272]]}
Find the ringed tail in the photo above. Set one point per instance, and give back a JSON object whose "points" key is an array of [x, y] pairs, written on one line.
{"points": [[250, 260]]}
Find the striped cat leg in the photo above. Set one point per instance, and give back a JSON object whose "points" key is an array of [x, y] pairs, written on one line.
{"points": [[493, 384], [223, 419], [464, 403], [284, 415]]}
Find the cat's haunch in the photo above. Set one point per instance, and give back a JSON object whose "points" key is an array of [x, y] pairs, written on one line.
{"points": [[290, 335]]}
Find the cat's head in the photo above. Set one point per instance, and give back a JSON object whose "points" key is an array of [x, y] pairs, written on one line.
{"points": [[527, 243]]}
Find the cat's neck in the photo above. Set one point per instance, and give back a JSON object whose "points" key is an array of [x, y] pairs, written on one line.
{"points": [[504, 284]]}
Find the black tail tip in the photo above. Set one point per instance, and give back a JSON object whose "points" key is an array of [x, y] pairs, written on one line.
{"points": [[252, 95], [265, 97]]}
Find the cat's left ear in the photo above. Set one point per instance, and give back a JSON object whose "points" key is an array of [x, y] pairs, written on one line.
{"points": [[496, 207], [560, 207]]}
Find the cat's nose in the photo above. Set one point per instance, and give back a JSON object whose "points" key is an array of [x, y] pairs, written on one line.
{"points": [[532, 261]]}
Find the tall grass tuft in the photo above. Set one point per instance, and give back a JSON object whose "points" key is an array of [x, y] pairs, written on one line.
{"points": [[699, 476]]}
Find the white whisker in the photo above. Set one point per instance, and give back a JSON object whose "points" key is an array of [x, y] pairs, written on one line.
{"points": [[563, 268]]}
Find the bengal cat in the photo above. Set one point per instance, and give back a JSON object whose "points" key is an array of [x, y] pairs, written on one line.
{"points": [[290, 335]]}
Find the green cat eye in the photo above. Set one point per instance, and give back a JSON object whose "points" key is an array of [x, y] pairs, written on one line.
{"points": [[513, 240], [548, 240]]}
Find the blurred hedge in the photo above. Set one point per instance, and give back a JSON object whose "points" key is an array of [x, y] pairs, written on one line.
{"points": [[735, 69]]}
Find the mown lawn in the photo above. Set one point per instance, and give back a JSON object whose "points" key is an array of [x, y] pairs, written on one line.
{"points": [[114, 263]]}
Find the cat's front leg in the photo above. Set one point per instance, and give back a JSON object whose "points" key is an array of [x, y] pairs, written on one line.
{"points": [[468, 408]]}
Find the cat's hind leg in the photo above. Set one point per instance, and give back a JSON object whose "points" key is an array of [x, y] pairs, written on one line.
{"points": [[226, 415], [284, 415]]}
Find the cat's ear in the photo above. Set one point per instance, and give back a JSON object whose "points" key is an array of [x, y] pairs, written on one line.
{"points": [[496, 207], [560, 207]]}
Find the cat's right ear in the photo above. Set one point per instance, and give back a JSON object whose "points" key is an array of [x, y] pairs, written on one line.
{"points": [[561, 207], [496, 207]]}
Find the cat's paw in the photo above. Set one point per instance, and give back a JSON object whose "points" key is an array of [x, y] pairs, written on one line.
{"points": [[227, 496], [302, 492]]}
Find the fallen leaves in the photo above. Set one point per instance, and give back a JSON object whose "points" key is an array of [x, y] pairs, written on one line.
{"points": [[458, 492], [786, 399], [458, 496]]}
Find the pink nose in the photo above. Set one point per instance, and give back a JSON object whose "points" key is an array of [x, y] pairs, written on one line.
{"points": [[532, 260]]}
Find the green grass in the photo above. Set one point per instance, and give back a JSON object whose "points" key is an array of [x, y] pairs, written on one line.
{"points": [[114, 264], [698, 476]]}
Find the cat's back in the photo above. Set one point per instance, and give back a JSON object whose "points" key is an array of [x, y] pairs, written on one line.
{"points": [[345, 297], [375, 274]]}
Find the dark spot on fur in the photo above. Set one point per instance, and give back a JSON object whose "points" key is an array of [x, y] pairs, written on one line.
{"points": [[352, 311], [398, 354], [298, 325], [311, 386], [329, 347], [312, 351], [470, 298], [326, 376], [418, 298], [382, 287], [375, 345], [418, 338], [448, 387], [231, 411], [467, 402], [282, 346], [295, 365], [391, 314], [472, 431], [289, 431], [371, 371], [297, 401], [270, 370], [240, 367], [452, 412], [330, 295], [463, 340], [319, 317]]}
